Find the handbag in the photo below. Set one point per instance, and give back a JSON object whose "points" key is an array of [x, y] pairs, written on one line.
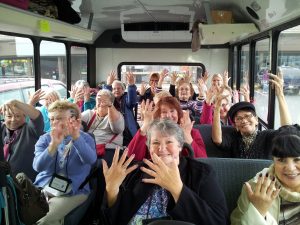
{"points": [[100, 148], [32, 202]]}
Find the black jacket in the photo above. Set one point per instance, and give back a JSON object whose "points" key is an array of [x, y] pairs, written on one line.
{"points": [[201, 201]]}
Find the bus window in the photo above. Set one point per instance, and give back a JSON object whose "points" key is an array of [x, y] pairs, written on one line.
{"points": [[261, 83], [244, 73], [143, 72], [234, 75], [16, 62], [289, 65], [79, 63], [53, 62]]}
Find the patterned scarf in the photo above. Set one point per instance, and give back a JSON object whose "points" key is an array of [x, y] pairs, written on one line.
{"points": [[247, 142], [8, 140]]}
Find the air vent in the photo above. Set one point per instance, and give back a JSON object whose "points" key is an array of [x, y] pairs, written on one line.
{"points": [[159, 26]]}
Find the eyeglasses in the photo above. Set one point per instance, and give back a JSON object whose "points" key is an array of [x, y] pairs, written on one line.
{"points": [[153, 81], [239, 119]]}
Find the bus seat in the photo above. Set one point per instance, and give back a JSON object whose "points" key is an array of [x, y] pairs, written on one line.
{"points": [[232, 173], [74, 217], [212, 150], [170, 222]]}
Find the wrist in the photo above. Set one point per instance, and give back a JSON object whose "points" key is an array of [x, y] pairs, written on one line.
{"points": [[51, 149], [176, 191]]}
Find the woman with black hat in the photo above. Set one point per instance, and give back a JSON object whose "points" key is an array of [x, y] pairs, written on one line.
{"points": [[245, 141]]}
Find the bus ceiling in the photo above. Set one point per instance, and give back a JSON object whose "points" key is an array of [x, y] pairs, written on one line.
{"points": [[158, 21]]}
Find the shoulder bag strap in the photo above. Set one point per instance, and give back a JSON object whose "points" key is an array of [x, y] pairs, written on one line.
{"points": [[92, 120]]}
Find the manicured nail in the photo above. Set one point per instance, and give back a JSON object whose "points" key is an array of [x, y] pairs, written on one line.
{"points": [[267, 174]]}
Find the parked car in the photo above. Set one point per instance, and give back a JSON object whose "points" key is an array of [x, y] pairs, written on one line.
{"points": [[18, 88]]}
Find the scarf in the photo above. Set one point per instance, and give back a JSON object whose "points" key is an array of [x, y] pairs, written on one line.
{"points": [[247, 142], [8, 140]]}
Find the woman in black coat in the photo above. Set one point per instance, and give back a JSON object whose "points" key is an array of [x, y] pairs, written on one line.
{"points": [[168, 186]]}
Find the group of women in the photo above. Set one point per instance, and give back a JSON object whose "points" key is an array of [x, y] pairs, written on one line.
{"points": [[157, 177]]}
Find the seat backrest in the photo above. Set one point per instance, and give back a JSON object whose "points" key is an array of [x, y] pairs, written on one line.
{"points": [[212, 150], [170, 222], [232, 173]]}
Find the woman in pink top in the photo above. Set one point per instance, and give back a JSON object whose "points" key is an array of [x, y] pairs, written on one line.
{"points": [[166, 108]]}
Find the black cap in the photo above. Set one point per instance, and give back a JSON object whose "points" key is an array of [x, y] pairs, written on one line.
{"points": [[239, 106]]}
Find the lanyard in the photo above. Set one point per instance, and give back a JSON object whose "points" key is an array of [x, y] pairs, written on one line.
{"points": [[65, 157]]}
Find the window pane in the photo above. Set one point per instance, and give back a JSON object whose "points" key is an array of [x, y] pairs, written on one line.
{"points": [[143, 73], [79, 64], [289, 64], [234, 77], [261, 83], [244, 78], [53, 65], [16, 62]]}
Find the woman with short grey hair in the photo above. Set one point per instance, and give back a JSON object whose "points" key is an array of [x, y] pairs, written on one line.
{"points": [[105, 122], [167, 186]]}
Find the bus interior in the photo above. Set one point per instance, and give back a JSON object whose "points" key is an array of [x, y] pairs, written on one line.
{"points": [[248, 38], [243, 37]]}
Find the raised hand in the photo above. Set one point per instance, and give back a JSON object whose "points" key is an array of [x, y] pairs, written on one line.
{"points": [[162, 76], [73, 91], [166, 176], [236, 96], [187, 125], [86, 93], [210, 94], [74, 127], [173, 78], [218, 99], [245, 91], [225, 78], [264, 193], [9, 107], [130, 77], [105, 101], [206, 76], [143, 88], [202, 88], [57, 134], [79, 95], [277, 83], [147, 111], [187, 77], [111, 77], [35, 97], [116, 173]]}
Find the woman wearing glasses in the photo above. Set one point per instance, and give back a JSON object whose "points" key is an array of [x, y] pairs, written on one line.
{"points": [[245, 141]]}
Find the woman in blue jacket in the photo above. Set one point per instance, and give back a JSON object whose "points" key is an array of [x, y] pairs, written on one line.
{"points": [[63, 159]]}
